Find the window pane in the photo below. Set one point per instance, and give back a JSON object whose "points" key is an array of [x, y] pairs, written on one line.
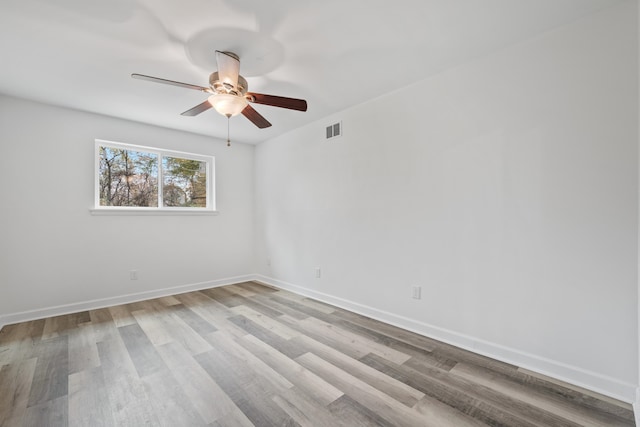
{"points": [[128, 178], [184, 182]]}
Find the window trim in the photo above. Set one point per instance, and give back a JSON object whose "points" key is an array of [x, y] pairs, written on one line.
{"points": [[210, 208]]}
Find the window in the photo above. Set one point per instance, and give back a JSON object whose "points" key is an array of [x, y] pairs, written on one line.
{"points": [[135, 179]]}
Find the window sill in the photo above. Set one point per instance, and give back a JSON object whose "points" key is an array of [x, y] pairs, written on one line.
{"points": [[151, 212]]}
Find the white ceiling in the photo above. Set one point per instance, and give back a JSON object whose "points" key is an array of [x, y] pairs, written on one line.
{"points": [[335, 54]]}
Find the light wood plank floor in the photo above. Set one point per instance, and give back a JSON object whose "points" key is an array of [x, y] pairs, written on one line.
{"points": [[250, 355]]}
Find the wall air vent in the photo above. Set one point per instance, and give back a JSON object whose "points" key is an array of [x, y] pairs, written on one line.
{"points": [[334, 130]]}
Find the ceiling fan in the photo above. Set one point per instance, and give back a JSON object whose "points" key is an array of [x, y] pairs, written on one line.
{"points": [[228, 93]]}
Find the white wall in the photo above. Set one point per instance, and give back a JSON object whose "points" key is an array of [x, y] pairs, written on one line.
{"points": [[53, 252], [506, 188]]}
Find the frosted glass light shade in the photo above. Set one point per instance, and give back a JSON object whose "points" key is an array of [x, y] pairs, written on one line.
{"points": [[227, 104]]}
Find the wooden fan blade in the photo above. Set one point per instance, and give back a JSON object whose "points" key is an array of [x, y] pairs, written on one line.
{"points": [[228, 69], [169, 82], [197, 109], [255, 117], [278, 101]]}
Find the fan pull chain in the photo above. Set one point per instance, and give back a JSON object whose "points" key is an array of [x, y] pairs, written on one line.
{"points": [[228, 139]]}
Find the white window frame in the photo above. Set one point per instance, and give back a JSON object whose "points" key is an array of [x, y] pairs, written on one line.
{"points": [[210, 208]]}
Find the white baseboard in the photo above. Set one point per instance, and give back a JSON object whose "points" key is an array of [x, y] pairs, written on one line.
{"points": [[25, 316], [636, 407], [593, 381]]}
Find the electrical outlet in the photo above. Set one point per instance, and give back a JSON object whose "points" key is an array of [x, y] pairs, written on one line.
{"points": [[133, 275], [417, 292], [318, 272]]}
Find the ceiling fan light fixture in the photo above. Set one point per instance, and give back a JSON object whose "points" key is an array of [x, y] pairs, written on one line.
{"points": [[227, 104]]}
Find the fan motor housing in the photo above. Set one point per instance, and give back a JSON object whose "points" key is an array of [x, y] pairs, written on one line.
{"points": [[220, 87]]}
